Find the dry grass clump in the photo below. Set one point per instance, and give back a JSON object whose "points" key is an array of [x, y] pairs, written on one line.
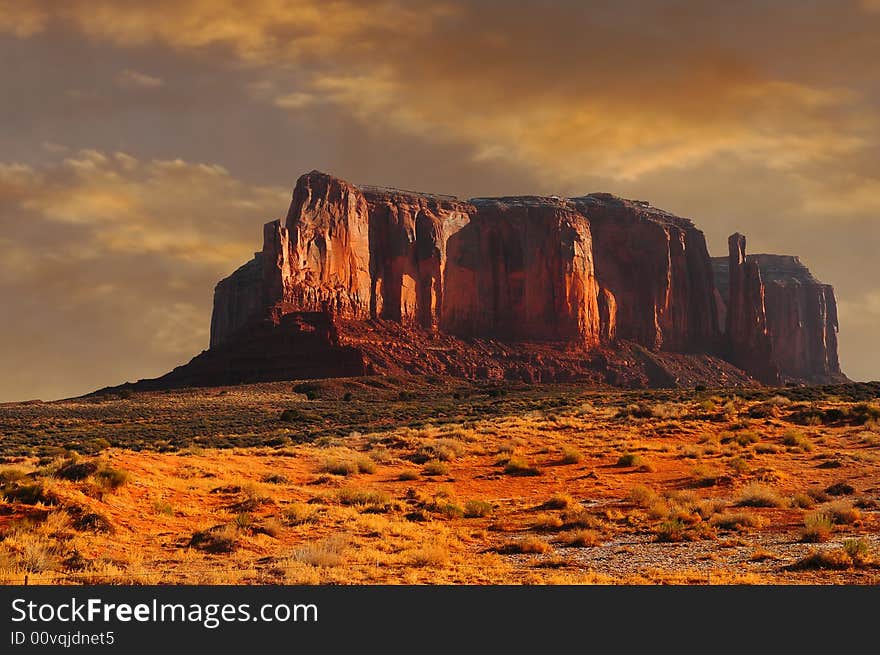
{"points": [[797, 440], [429, 555], [435, 467], [474, 509], [367, 498], [842, 512], [759, 495], [642, 496], [580, 518], [630, 459], [299, 514], [581, 538], [110, 477], [559, 501], [408, 475], [442, 449], [571, 455], [346, 465], [854, 554], [818, 528], [803, 501], [547, 522], [217, 540], [519, 466], [737, 521], [527, 546], [328, 552]]}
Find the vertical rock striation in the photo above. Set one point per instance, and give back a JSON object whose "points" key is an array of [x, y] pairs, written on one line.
{"points": [[655, 274], [522, 269]]}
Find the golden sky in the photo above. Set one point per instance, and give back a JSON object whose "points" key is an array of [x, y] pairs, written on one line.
{"points": [[145, 142]]}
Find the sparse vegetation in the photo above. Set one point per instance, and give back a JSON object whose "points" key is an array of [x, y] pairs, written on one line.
{"points": [[759, 495], [818, 528], [518, 466], [229, 493]]}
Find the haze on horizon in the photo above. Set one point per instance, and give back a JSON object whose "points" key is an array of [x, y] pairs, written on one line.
{"points": [[145, 143]]}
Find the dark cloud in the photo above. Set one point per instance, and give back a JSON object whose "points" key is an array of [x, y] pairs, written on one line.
{"points": [[751, 116]]}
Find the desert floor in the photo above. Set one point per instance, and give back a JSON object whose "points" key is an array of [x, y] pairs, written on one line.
{"points": [[414, 480]]}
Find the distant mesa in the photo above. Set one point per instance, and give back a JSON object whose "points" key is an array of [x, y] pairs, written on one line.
{"points": [[361, 280]]}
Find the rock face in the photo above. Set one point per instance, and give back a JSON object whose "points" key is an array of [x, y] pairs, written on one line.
{"points": [[237, 299], [796, 321], [655, 275], [522, 269], [526, 287], [749, 344]]}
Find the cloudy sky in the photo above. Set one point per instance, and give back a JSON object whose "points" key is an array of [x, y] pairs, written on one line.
{"points": [[145, 142]]}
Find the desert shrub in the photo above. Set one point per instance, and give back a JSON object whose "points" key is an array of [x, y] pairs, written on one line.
{"points": [[477, 509], [737, 521], [449, 510], [295, 415], [76, 470], [243, 520], [672, 530], [380, 455], [803, 501], [276, 478], [581, 538], [219, 539], [865, 412], [429, 555], [642, 496], [327, 552], [842, 512], [442, 449], [836, 559], [164, 508], [435, 467], [92, 446], [363, 498], [559, 501], [110, 477], [636, 410], [709, 507], [347, 465], [31, 553], [528, 545], [704, 476], [797, 439], [571, 455], [518, 466], [840, 489], [309, 389], [12, 475], [759, 495], [547, 522], [859, 550], [818, 528], [28, 493], [408, 475], [739, 466], [299, 513], [745, 437], [86, 520], [270, 526], [630, 459], [580, 518]]}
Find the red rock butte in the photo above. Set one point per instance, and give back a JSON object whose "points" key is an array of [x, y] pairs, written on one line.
{"points": [[360, 280]]}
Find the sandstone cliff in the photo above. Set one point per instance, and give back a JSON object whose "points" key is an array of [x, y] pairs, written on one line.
{"points": [[527, 287], [522, 269], [655, 274], [796, 321]]}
